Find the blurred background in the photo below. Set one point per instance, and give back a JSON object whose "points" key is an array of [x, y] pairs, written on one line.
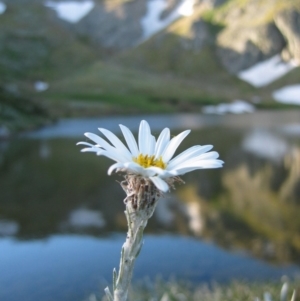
{"points": [[227, 69]]}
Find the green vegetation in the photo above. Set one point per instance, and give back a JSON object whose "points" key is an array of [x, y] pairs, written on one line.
{"points": [[131, 90]]}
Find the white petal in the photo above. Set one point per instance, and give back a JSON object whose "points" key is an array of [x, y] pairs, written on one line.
{"points": [[115, 166], [112, 155], [196, 159], [136, 168], [204, 157], [198, 165], [162, 142], [160, 183], [209, 155], [144, 138], [172, 146], [152, 146], [155, 170], [211, 163], [116, 142], [162, 173], [130, 140], [116, 153], [85, 143], [189, 153], [98, 140], [90, 149]]}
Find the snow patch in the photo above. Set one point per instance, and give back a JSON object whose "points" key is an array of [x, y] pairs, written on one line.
{"points": [[8, 228], [186, 8], [236, 107], [267, 71], [44, 149], [266, 145], [71, 11], [41, 86], [86, 218], [152, 23], [2, 8], [291, 130], [196, 222], [288, 95], [164, 212]]}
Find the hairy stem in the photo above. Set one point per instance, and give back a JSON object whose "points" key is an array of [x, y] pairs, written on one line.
{"points": [[141, 200]]}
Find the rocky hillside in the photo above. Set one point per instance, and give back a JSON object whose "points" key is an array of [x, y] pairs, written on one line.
{"points": [[103, 55], [248, 31], [256, 30]]}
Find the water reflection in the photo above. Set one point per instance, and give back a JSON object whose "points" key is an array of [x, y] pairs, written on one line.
{"points": [[252, 205], [266, 145], [8, 228], [83, 218], [44, 149]]}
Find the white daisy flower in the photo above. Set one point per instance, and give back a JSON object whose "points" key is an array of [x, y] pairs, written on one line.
{"points": [[151, 158]]}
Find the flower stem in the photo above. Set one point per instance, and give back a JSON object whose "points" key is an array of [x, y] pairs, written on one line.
{"points": [[141, 200]]}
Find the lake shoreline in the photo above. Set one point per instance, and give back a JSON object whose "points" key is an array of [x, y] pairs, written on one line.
{"points": [[75, 127]]}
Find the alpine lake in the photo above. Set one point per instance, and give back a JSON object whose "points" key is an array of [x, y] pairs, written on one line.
{"points": [[62, 220]]}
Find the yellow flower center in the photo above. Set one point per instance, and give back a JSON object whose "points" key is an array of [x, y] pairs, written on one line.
{"points": [[148, 161]]}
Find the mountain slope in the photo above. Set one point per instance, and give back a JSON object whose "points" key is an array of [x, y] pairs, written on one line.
{"points": [[101, 65]]}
